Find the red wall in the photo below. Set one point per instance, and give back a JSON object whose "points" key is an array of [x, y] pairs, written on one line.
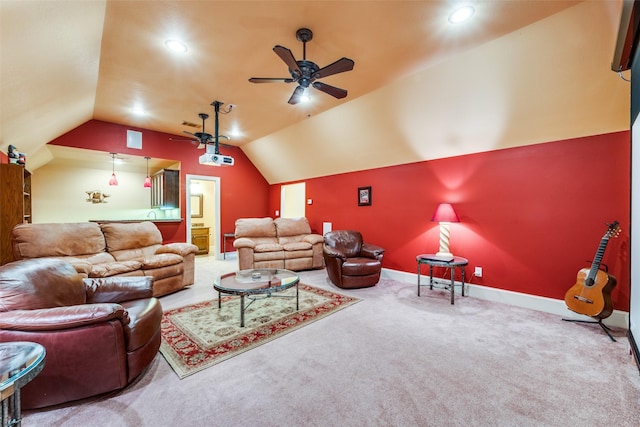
{"points": [[531, 216], [243, 190]]}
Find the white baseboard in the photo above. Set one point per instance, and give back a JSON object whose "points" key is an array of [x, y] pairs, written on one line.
{"points": [[618, 318]]}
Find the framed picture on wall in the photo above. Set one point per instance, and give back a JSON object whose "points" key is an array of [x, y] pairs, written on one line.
{"points": [[364, 196], [196, 206]]}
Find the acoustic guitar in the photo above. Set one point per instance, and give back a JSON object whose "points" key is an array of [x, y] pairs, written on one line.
{"points": [[591, 295]]}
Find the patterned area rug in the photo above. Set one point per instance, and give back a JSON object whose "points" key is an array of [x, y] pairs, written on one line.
{"points": [[198, 336]]}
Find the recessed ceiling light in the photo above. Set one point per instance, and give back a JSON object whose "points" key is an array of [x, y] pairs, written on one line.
{"points": [[138, 111], [176, 46], [461, 14]]}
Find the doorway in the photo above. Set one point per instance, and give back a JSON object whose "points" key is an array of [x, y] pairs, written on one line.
{"points": [[292, 200], [203, 210]]}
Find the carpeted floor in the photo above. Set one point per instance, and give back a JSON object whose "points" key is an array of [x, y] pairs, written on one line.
{"points": [[393, 359], [198, 336]]}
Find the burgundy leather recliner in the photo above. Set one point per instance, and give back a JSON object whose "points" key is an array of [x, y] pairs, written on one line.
{"points": [[99, 334], [350, 262]]}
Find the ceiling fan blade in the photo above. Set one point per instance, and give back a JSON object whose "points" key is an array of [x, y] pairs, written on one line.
{"points": [[340, 66], [295, 97], [331, 90], [189, 133], [271, 79], [288, 58]]}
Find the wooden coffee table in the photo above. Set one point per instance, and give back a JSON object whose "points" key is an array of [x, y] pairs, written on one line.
{"points": [[250, 283]]}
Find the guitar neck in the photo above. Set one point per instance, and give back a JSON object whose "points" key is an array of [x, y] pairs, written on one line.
{"points": [[595, 265]]}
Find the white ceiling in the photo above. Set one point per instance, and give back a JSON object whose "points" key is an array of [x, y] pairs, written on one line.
{"points": [[66, 62]]}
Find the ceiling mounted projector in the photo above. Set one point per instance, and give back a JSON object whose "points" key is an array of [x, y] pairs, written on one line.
{"points": [[216, 160], [213, 157]]}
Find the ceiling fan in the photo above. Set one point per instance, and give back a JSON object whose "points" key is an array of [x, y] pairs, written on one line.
{"points": [[306, 73], [203, 138]]}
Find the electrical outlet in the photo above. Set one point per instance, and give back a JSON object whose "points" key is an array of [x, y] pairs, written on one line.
{"points": [[478, 272]]}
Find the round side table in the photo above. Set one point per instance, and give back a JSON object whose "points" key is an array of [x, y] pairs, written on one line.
{"points": [[433, 260]]}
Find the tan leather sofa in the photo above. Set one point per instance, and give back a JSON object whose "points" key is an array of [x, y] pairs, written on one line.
{"points": [[99, 334], [281, 243], [110, 249]]}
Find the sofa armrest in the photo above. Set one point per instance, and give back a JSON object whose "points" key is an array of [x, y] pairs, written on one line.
{"points": [[118, 289], [244, 242], [313, 238], [333, 253], [58, 318], [183, 249], [371, 251]]}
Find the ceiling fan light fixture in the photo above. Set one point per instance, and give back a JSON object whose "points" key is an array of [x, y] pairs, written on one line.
{"points": [[176, 46], [461, 14]]}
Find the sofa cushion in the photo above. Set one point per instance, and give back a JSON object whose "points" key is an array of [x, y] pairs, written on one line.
{"points": [[268, 247], [122, 236], [114, 268], [360, 266], [160, 260], [287, 227], [57, 240], [297, 246], [255, 227]]}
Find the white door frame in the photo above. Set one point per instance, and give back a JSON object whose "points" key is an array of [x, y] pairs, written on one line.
{"points": [[217, 238]]}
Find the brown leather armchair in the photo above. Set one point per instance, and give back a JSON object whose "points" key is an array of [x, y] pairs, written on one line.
{"points": [[99, 334], [350, 262]]}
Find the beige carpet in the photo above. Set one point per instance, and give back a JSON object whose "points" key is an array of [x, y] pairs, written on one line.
{"points": [[201, 335], [392, 359]]}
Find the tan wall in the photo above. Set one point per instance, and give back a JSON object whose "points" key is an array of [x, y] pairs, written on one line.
{"points": [[549, 81], [60, 195]]}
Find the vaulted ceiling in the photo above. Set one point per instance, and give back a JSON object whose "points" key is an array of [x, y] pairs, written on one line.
{"points": [[66, 62]]}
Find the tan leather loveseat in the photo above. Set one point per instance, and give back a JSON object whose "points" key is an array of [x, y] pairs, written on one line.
{"points": [[281, 243], [110, 249]]}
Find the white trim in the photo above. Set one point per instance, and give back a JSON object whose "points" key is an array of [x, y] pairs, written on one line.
{"points": [[618, 318]]}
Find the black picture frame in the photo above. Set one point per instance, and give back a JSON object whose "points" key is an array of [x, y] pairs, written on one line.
{"points": [[364, 196]]}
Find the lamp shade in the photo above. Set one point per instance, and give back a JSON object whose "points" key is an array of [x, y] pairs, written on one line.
{"points": [[445, 213], [147, 180], [113, 180]]}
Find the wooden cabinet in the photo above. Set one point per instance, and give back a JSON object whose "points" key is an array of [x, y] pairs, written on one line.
{"points": [[165, 189], [200, 238], [15, 205]]}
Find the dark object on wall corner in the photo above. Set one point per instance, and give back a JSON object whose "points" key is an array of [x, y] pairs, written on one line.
{"points": [[625, 42], [305, 73]]}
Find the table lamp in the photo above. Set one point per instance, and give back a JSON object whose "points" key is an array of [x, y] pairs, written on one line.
{"points": [[444, 214]]}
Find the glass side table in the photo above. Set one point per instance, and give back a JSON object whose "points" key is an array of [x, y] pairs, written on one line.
{"points": [[20, 362], [432, 260]]}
